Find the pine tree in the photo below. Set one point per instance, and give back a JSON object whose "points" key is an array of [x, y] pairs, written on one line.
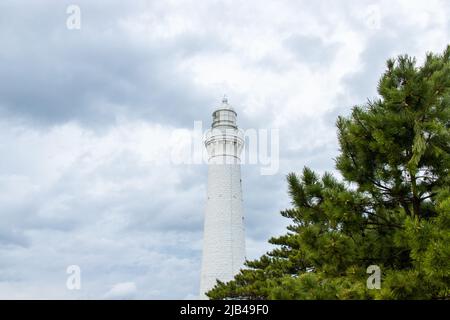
{"points": [[392, 209]]}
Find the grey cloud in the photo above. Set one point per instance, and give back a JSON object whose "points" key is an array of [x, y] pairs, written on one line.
{"points": [[363, 84], [311, 50], [263, 198], [52, 75], [11, 237], [394, 37]]}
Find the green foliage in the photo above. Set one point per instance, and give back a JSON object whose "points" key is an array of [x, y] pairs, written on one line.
{"points": [[391, 210]]}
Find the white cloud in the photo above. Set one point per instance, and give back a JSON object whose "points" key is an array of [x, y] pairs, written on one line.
{"points": [[124, 290]]}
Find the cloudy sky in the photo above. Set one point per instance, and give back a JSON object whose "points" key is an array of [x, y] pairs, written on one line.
{"points": [[90, 119]]}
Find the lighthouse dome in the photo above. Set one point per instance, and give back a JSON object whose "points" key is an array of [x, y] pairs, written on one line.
{"points": [[224, 116]]}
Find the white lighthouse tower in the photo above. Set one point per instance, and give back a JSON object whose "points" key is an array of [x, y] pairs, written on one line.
{"points": [[224, 240]]}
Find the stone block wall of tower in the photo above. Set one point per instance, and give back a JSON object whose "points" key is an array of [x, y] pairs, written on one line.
{"points": [[224, 237]]}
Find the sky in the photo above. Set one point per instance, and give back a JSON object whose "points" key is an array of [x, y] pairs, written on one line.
{"points": [[92, 118]]}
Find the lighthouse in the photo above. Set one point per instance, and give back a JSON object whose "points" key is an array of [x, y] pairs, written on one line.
{"points": [[224, 239]]}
